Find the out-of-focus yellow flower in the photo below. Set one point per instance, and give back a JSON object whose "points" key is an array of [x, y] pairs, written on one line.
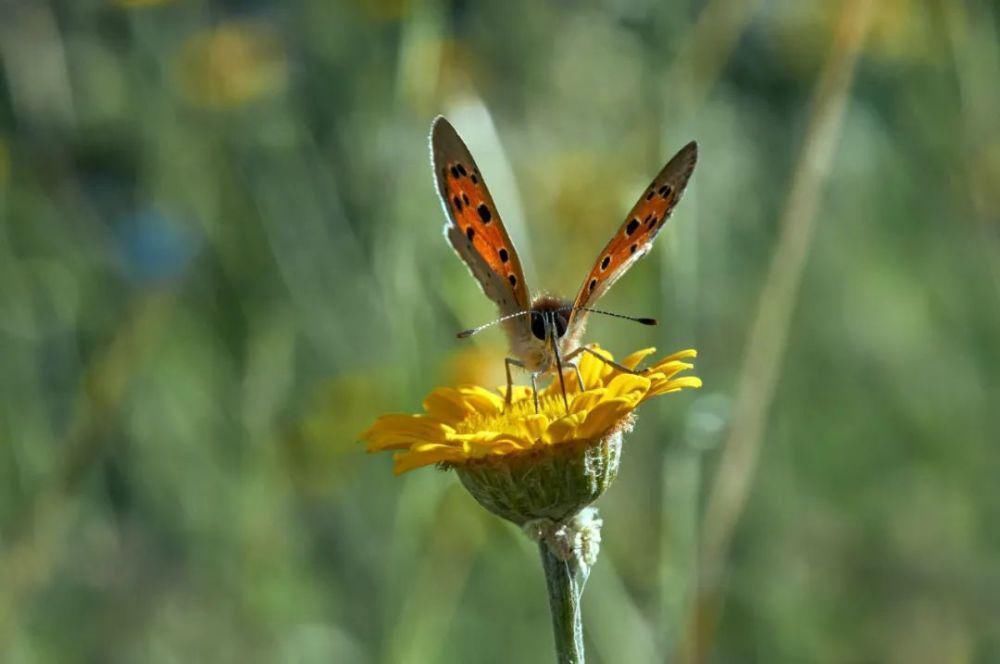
{"points": [[902, 30], [232, 65], [469, 425], [471, 364], [321, 452]]}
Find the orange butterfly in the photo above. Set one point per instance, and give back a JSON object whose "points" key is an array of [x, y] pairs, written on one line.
{"points": [[545, 332]]}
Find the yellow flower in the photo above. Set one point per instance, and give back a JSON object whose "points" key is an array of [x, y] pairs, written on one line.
{"points": [[469, 424], [532, 467], [233, 64]]}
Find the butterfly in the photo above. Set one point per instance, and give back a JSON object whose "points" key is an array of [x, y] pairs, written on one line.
{"points": [[544, 332]]}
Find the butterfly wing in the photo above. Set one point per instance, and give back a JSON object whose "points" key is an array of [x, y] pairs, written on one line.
{"points": [[635, 237], [474, 228]]}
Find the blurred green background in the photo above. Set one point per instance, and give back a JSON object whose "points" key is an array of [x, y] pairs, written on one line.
{"points": [[221, 258]]}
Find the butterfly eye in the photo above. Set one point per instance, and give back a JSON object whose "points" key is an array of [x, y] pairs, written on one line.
{"points": [[537, 325], [561, 323]]}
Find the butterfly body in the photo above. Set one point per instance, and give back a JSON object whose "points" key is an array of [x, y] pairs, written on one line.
{"points": [[544, 333]]}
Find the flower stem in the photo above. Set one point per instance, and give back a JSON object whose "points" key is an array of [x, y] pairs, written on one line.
{"points": [[565, 580]]}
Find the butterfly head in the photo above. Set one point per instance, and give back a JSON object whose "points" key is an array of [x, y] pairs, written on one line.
{"points": [[550, 316]]}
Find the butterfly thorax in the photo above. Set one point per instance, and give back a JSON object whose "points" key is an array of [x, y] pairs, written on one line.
{"points": [[531, 336]]}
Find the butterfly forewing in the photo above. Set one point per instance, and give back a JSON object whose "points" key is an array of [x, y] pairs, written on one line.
{"points": [[474, 228], [635, 237]]}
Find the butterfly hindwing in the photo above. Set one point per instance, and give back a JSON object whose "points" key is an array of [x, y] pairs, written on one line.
{"points": [[635, 236], [474, 228]]}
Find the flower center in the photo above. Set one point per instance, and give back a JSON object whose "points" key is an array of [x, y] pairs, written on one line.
{"points": [[514, 417]]}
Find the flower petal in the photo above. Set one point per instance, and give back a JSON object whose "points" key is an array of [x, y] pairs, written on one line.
{"points": [[686, 354], [630, 385], [604, 417], [674, 385], [636, 358], [592, 370], [587, 400], [428, 455], [481, 400], [447, 404], [535, 426], [397, 431], [491, 438], [518, 393], [563, 429]]}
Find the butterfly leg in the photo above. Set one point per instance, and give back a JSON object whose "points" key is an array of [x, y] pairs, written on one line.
{"points": [[620, 367], [579, 378], [534, 390], [508, 362]]}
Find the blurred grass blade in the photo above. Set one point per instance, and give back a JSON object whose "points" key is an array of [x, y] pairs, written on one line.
{"points": [[769, 332]]}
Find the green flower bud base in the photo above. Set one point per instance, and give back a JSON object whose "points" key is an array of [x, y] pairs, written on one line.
{"points": [[552, 484]]}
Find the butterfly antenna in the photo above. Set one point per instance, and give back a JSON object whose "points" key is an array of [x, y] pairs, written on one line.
{"points": [[643, 321], [468, 333]]}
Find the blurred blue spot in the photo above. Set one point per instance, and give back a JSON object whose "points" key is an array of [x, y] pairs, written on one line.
{"points": [[154, 247]]}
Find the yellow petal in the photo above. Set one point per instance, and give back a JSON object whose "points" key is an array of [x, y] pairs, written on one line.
{"points": [[480, 449], [563, 429], [627, 384], [482, 439], [535, 426], [555, 387], [674, 385], [481, 400], [518, 393], [662, 374], [587, 400], [636, 358], [398, 431], [405, 461], [680, 355], [604, 417], [446, 404], [592, 370], [674, 368]]}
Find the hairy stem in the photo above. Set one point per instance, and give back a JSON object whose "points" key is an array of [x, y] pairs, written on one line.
{"points": [[565, 580]]}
